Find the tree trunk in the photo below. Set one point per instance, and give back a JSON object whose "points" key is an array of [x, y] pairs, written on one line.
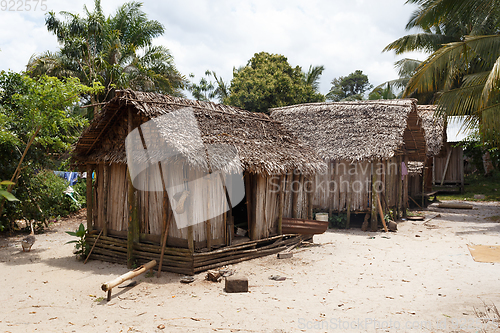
{"points": [[487, 164]]}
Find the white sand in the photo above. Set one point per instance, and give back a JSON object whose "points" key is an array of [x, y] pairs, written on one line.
{"points": [[429, 283]]}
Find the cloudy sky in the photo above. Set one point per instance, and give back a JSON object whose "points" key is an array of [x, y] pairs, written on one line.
{"points": [[218, 35]]}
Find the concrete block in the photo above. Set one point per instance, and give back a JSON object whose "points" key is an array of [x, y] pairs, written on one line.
{"points": [[285, 255], [236, 284]]}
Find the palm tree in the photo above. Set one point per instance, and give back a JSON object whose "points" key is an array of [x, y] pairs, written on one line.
{"points": [[311, 78], [465, 78], [462, 74], [116, 51], [406, 68]]}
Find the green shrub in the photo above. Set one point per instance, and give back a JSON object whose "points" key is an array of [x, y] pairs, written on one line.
{"points": [[338, 221]]}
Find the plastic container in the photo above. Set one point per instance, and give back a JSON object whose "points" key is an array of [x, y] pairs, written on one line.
{"points": [[321, 216]]}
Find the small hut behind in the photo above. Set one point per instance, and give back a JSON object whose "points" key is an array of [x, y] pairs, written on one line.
{"points": [[132, 208], [448, 167], [421, 173], [367, 146]]}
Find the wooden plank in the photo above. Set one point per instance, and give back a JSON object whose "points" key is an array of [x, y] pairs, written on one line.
{"points": [[90, 225], [281, 204], [105, 198], [349, 197], [166, 220], [132, 207], [400, 189], [373, 220], [190, 239], [381, 212], [446, 166]]}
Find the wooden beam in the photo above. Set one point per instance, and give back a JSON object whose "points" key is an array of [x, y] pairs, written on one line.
{"points": [[446, 166], [191, 239], [167, 216], [90, 224], [349, 198], [105, 192], [381, 212], [208, 223], [400, 188], [281, 203], [132, 208], [373, 220], [405, 188], [295, 194]]}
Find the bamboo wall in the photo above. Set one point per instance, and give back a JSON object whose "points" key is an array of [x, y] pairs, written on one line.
{"points": [[110, 204], [350, 184], [455, 169]]}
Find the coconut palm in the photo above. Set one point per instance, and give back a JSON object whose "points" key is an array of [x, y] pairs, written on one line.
{"points": [[311, 78], [465, 77], [461, 75], [116, 51]]}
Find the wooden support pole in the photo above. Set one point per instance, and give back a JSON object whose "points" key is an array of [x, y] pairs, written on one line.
{"points": [[191, 239], [250, 204], [90, 203], [105, 192], [208, 223], [132, 209], [461, 170], [446, 165], [167, 216], [310, 194], [424, 174], [373, 219], [381, 212], [281, 203], [405, 189], [127, 276], [349, 198], [92, 249], [295, 193], [400, 188]]}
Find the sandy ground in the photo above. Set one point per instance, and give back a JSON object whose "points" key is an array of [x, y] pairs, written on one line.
{"points": [[347, 281]]}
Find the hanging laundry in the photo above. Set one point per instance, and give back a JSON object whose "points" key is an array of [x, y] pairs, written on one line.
{"points": [[404, 170]]}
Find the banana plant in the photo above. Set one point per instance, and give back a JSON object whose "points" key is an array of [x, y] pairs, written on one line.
{"points": [[6, 194]]}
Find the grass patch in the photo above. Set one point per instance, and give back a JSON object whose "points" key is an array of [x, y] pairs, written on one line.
{"points": [[478, 184]]}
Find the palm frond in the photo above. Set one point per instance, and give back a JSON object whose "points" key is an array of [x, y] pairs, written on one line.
{"points": [[426, 42]]}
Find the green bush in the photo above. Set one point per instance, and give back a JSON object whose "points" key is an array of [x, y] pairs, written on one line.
{"points": [[338, 221], [42, 197]]}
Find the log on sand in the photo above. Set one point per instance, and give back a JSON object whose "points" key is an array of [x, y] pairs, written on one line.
{"points": [[108, 286]]}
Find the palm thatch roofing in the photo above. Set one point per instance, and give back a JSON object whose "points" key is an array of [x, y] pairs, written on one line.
{"points": [[357, 131], [415, 168], [263, 144], [433, 127]]}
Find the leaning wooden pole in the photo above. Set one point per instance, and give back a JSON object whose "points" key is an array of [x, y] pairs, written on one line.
{"points": [[281, 204], [90, 204], [373, 219], [127, 276], [132, 209]]}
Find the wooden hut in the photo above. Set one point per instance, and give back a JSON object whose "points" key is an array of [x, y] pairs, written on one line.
{"points": [[448, 167], [138, 224], [367, 146], [421, 174]]}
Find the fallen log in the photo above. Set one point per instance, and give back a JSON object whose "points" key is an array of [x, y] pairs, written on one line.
{"points": [[455, 205], [108, 286]]}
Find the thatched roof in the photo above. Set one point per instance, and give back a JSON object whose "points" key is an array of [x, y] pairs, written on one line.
{"points": [[433, 128], [415, 168], [263, 144], [355, 131]]}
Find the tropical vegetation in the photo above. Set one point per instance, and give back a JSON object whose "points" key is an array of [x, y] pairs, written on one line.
{"points": [[462, 74], [268, 81], [115, 51]]}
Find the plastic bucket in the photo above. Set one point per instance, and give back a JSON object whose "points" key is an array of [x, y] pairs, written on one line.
{"points": [[321, 216]]}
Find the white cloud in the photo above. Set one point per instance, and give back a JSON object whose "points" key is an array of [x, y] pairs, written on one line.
{"points": [[219, 35]]}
